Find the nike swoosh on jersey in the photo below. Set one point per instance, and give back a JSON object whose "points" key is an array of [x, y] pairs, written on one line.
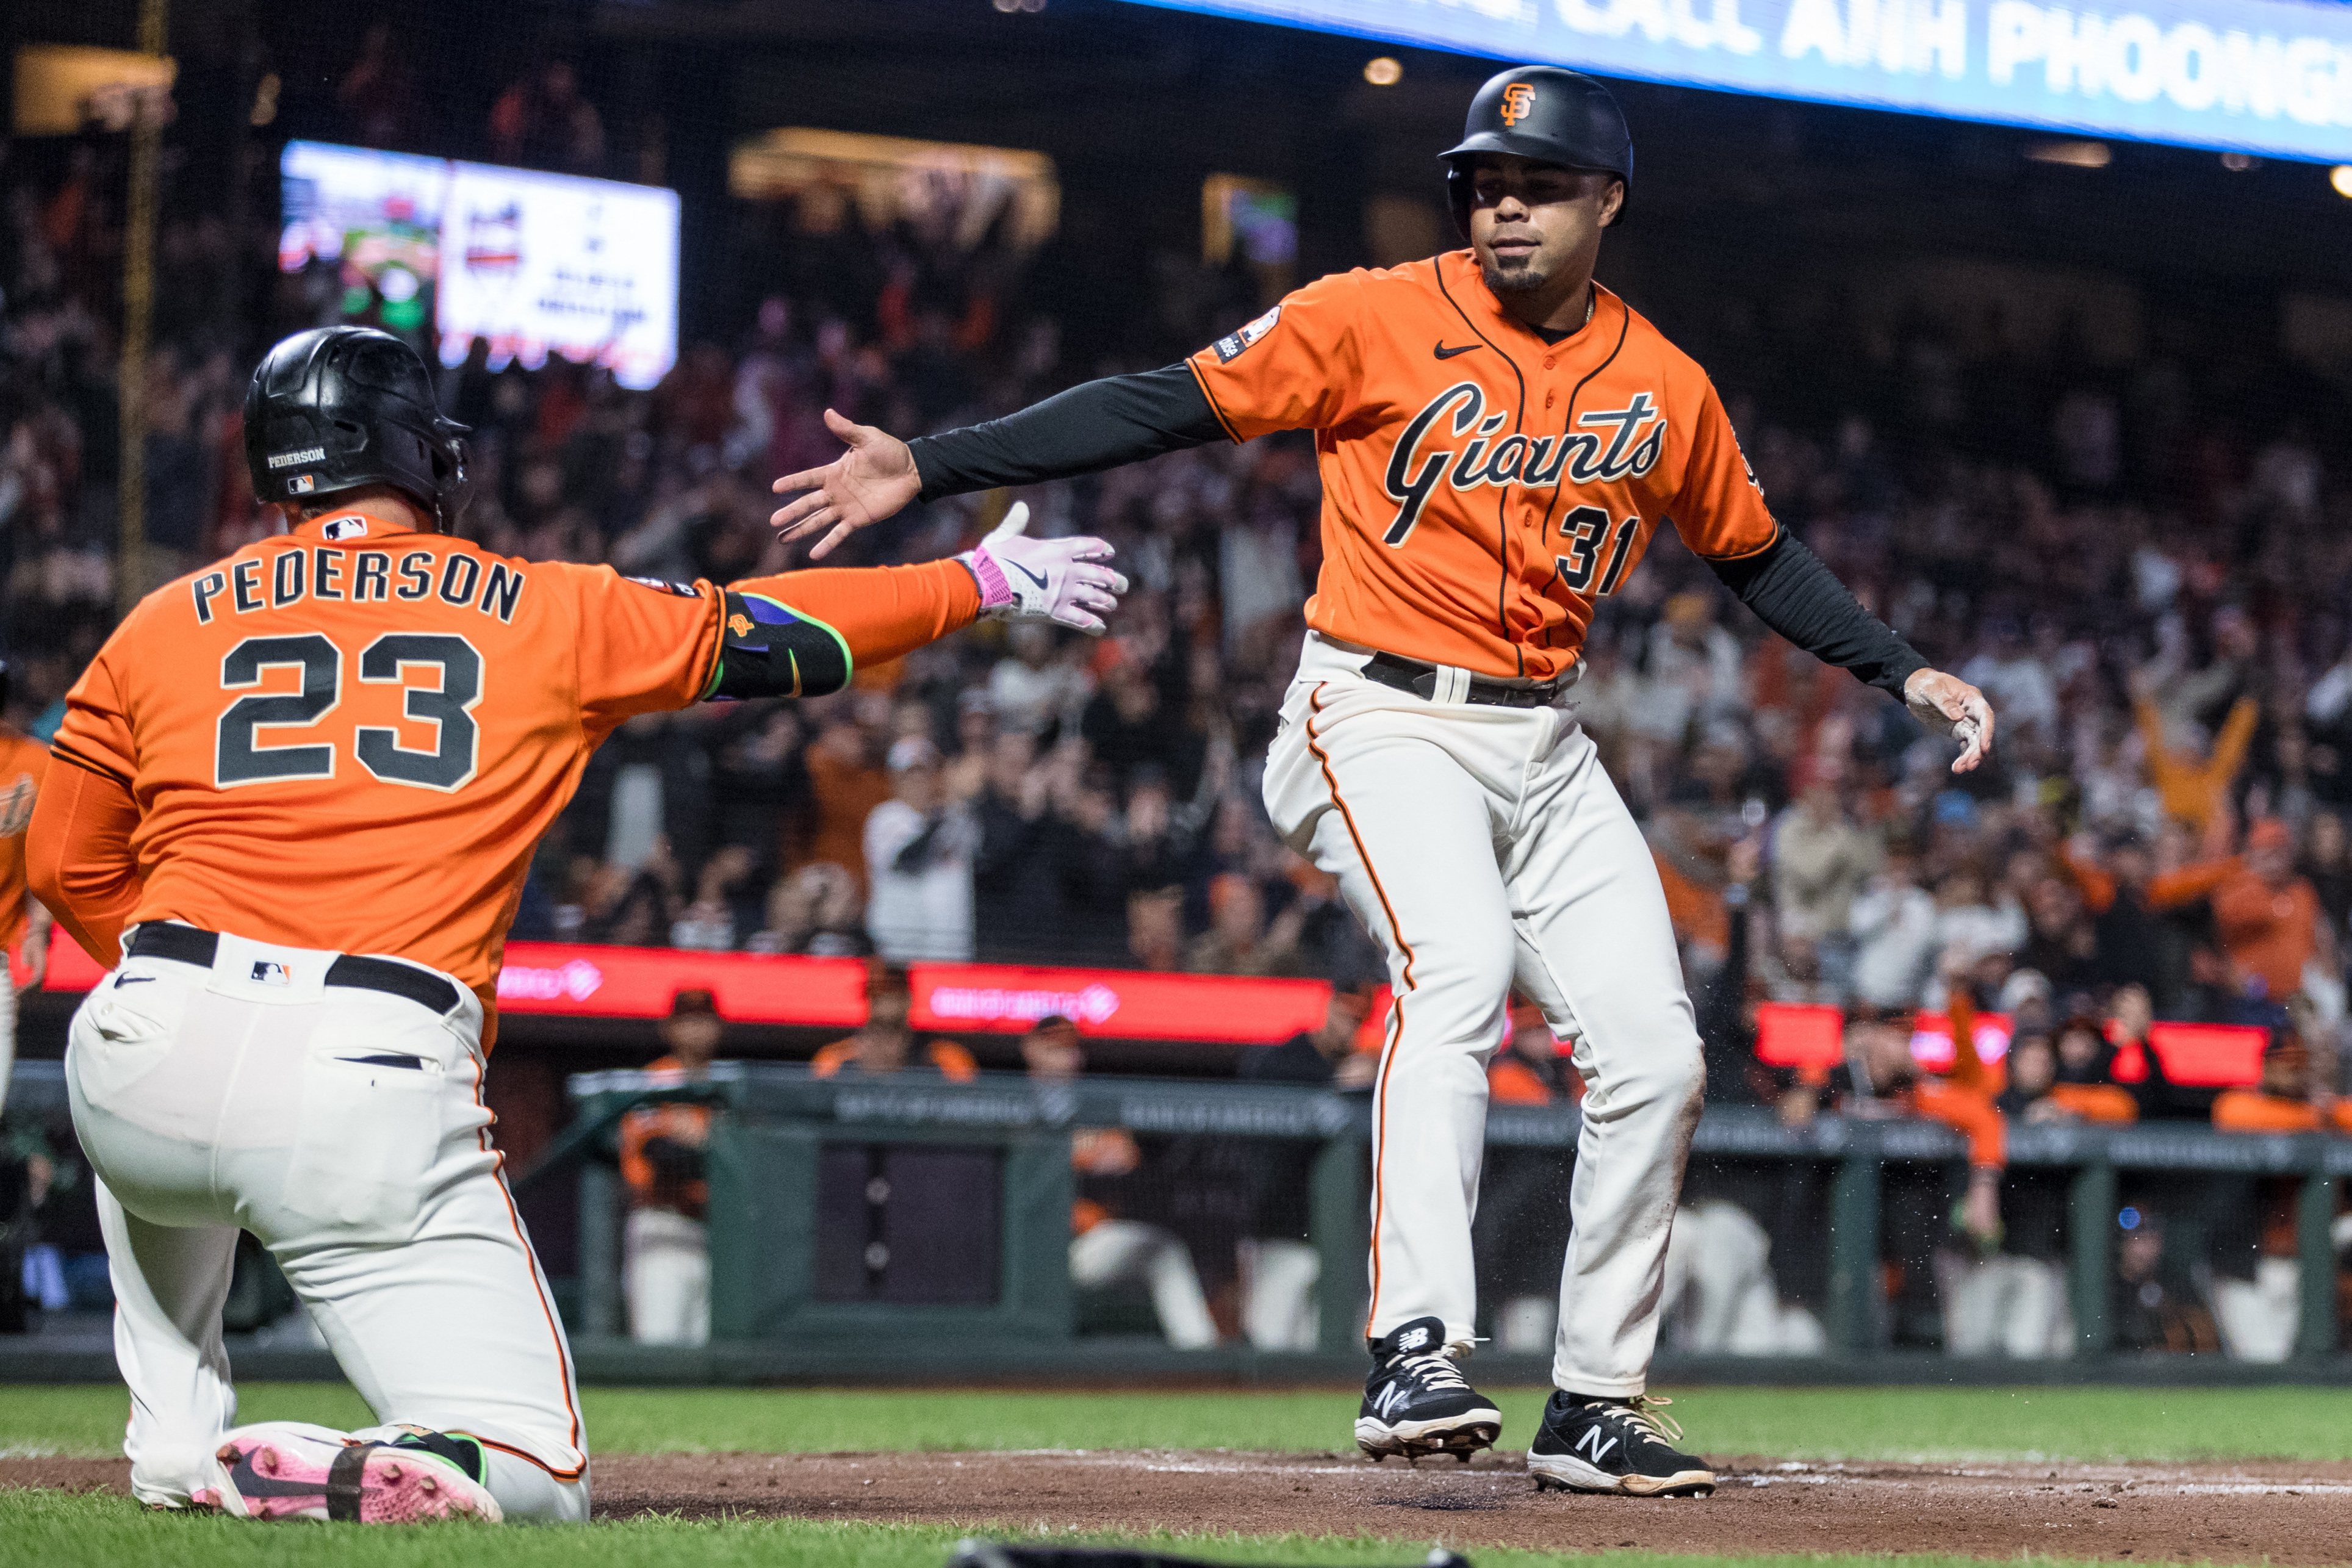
{"points": [[1036, 577], [1444, 353]]}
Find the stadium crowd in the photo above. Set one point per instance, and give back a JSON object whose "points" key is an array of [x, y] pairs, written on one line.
{"points": [[2152, 594]]}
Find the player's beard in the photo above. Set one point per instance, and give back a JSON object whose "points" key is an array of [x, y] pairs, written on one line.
{"points": [[1526, 276]]}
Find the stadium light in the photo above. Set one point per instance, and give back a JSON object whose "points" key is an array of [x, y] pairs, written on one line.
{"points": [[2239, 163], [2074, 155], [1384, 70], [2340, 177]]}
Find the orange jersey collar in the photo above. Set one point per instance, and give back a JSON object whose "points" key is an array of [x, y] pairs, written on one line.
{"points": [[370, 524], [1458, 271]]}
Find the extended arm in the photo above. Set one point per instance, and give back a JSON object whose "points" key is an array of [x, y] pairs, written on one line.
{"points": [[801, 633], [77, 857], [1101, 425], [1794, 593]]}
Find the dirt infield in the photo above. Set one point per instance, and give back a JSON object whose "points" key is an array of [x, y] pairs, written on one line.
{"points": [[2282, 1511]]}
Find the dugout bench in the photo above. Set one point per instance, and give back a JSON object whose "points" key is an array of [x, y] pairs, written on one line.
{"points": [[784, 1139], [993, 1156]]}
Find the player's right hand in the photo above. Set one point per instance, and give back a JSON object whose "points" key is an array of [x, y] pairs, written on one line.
{"points": [[866, 484], [1949, 706]]}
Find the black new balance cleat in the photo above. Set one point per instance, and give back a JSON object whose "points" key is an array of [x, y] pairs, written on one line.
{"points": [[1613, 1446], [1416, 1403]]}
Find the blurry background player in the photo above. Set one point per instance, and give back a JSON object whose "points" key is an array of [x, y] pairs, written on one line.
{"points": [[354, 734], [1498, 440], [665, 1251], [885, 1043], [23, 763], [1278, 1265], [1105, 1247]]}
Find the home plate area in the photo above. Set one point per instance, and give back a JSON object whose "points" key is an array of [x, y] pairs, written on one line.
{"points": [[2282, 1511]]}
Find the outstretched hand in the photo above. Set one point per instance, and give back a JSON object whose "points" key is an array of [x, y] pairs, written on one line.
{"points": [[1056, 580], [866, 484], [1947, 705]]}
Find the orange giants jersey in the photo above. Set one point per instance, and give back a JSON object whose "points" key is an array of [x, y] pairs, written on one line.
{"points": [[1481, 487], [352, 737], [22, 761]]}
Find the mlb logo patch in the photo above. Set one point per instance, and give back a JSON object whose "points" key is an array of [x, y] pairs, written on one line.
{"points": [[302, 484], [265, 972], [1229, 347], [346, 528]]}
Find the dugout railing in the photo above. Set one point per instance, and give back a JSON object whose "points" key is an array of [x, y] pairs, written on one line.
{"points": [[999, 1186]]}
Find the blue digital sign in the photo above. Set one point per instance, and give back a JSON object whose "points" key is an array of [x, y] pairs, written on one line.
{"points": [[2273, 77]]}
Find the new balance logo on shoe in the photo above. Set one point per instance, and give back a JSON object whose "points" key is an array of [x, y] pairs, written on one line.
{"points": [[1411, 1339], [1592, 1445], [1389, 1398]]}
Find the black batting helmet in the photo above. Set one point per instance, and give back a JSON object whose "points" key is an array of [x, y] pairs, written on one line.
{"points": [[339, 407], [1547, 113]]}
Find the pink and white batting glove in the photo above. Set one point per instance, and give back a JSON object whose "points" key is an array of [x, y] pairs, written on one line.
{"points": [[1044, 579]]}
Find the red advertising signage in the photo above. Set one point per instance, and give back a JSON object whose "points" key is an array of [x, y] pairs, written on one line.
{"points": [[2195, 1056], [574, 980]]}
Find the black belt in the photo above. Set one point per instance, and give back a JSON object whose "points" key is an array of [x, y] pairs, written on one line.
{"points": [[1420, 679], [186, 944]]}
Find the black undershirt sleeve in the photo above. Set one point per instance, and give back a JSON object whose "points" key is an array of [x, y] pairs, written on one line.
{"points": [[1791, 592], [1101, 425]]}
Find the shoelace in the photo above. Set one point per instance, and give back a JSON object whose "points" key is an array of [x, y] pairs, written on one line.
{"points": [[1643, 1411], [1434, 1369]]}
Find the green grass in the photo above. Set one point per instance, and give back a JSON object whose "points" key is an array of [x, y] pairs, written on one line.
{"points": [[55, 1530], [2155, 1424]]}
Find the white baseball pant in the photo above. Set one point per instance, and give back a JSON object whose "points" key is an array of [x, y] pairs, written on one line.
{"points": [[8, 1032], [345, 1128], [1485, 848], [665, 1274]]}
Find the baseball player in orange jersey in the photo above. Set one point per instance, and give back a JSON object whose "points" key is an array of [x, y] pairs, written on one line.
{"points": [[298, 794], [23, 763], [1499, 438]]}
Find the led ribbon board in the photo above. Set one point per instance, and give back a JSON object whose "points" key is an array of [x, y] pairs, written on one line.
{"points": [[2258, 76]]}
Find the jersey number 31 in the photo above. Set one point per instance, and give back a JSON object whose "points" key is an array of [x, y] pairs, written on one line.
{"points": [[239, 758]]}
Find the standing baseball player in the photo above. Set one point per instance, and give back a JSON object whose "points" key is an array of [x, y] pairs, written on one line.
{"points": [[23, 764], [299, 793], [1499, 438]]}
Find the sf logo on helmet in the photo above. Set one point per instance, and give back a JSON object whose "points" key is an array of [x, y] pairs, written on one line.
{"points": [[1518, 103]]}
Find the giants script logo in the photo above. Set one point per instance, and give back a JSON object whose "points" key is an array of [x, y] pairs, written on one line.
{"points": [[1518, 103], [1536, 462]]}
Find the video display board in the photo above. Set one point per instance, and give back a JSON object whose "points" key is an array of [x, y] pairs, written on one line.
{"points": [[532, 263], [2269, 77]]}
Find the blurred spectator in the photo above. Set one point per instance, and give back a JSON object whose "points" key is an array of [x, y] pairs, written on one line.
{"points": [[1820, 863], [919, 861], [815, 911], [1106, 1249], [2153, 1309], [378, 94], [543, 122], [2269, 918], [847, 781], [2191, 780], [886, 1045], [1239, 941], [665, 1248], [1982, 1294]]}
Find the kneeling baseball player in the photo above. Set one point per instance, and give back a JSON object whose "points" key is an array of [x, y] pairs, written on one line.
{"points": [[1499, 438], [302, 789]]}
